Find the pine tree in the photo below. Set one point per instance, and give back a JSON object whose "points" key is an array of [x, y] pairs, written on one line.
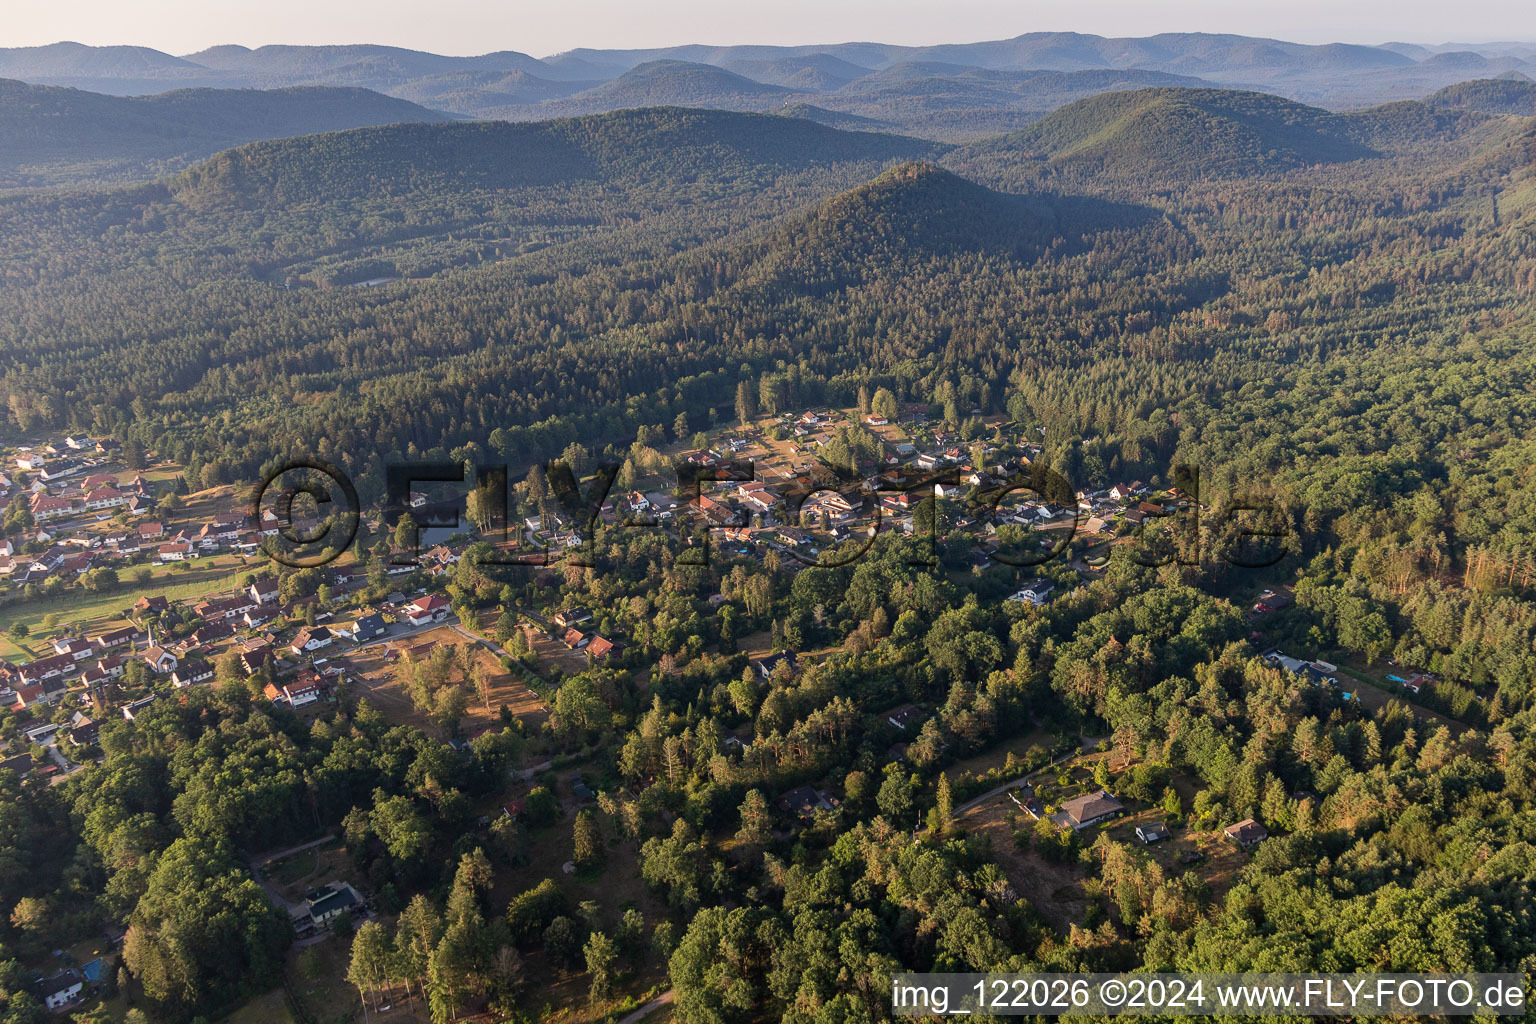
{"points": [[601, 954], [588, 840], [746, 403], [945, 802]]}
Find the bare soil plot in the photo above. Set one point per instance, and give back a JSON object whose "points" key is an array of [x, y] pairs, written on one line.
{"points": [[381, 682], [1055, 890]]}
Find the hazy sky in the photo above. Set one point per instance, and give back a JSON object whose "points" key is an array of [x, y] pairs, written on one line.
{"points": [[551, 26]]}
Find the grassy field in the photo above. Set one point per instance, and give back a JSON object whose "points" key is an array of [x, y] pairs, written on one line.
{"points": [[980, 764], [271, 1008], [94, 613], [296, 868]]}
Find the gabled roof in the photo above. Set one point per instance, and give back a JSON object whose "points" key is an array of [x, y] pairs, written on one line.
{"points": [[1091, 805]]}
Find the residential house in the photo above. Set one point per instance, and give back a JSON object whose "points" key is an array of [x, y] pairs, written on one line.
{"points": [[58, 470], [46, 507], [61, 989], [1091, 808], [1246, 833], [175, 551], [1095, 527], [132, 710], [208, 635], [76, 647], [103, 672], [906, 717], [433, 608], [805, 801], [128, 635], [766, 666], [572, 617], [1036, 592], [152, 605], [311, 639], [306, 689], [1156, 832], [46, 670], [1271, 601], [191, 671], [253, 658], [84, 731], [369, 627], [329, 902], [100, 498], [25, 696], [160, 660]]}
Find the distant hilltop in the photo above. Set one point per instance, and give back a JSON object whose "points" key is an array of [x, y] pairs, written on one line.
{"points": [[861, 79]]}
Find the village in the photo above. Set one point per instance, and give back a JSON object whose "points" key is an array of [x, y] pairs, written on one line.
{"points": [[124, 549], [84, 532]]}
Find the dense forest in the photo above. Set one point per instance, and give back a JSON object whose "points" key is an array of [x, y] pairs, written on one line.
{"points": [[1331, 314]]}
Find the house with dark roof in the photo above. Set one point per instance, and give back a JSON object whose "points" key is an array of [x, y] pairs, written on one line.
{"points": [[116, 638], [572, 617], [1091, 808], [83, 731], [1246, 833], [311, 639], [60, 990], [1271, 601], [132, 710], [805, 801], [191, 671], [766, 665], [369, 627], [331, 901], [1036, 592], [145, 605]]}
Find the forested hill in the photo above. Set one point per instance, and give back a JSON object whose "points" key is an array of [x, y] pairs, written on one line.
{"points": [[914, 212], [1490, 95], [626, 146], [1185, 132], [49, 133], [672, 83]]}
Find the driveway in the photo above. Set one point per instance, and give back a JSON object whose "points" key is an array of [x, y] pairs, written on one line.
{"points": [[654, 1004]]}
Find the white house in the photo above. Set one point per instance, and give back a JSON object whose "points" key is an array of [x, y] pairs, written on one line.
{"points": [[426, 609], [59, 990]]}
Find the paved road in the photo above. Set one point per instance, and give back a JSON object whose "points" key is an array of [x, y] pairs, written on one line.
{"points": [[528, 773], [482, 641], [262, 860], [654, 1004], [1014, 784]]}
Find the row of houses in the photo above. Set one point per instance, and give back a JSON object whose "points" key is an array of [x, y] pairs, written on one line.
{"points": [[1101, 806]]}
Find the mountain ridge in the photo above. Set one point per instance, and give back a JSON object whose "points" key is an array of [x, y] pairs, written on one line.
{"points": [[1343, 75], [53, 126]]}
